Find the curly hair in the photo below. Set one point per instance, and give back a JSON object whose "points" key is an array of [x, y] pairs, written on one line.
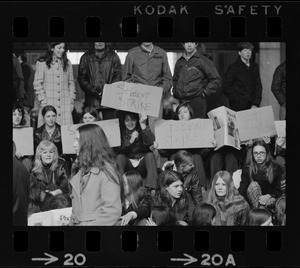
{"points": [[38, 164], [20, 109], [48, 57]]}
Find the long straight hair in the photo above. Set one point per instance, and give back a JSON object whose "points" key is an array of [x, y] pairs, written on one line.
{"points": [[212, 197], [136, 189], [166, 178], [268, 166], [95, 151], [48, 57]]}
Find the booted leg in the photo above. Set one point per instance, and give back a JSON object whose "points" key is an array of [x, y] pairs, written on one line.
{"points": [[216, 164], [149, 165], [253, 194], [199, 167], [123, 163], [231, 162]]}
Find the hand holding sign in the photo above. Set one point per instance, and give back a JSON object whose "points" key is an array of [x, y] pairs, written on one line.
{"points": [[143, 118], [134, 136]]}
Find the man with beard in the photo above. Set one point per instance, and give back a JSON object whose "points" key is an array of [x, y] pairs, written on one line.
{"points": [[241, 83]]}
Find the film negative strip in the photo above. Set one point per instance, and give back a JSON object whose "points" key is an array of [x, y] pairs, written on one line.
{"points": [[273, 29]]}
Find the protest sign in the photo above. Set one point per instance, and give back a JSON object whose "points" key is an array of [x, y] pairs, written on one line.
{"points": [[280, 128], [195, 133], [110, 127], [256, 123], [54, 217], [23, 138], [132, 97], [232, 127], [225, 126]]}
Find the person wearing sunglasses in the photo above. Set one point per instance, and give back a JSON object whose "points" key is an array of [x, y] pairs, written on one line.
{"points": [[261, 177]]}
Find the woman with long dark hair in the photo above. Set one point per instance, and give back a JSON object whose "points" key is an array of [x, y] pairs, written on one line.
{"points": [[261, 178], [171, 193], [97, 188], [134, 152], [54, 83]]}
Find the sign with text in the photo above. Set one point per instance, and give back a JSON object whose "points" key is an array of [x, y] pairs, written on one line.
{"points": [[110, 127], [54, 217], [23, 138], [256, 123], [280, 128], [195, 133], [132, 97]]}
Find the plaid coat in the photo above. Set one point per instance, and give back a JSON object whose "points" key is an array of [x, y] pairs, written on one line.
{"points": [[55, 87]]}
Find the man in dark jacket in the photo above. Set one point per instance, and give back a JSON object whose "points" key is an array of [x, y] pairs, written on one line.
{"points": [[18, 82], [195, 77], [241, 84], [97, 67], [279, 88], [28, 75]]}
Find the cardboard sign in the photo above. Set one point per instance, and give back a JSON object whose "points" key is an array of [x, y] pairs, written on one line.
{"points": [[55, 217], [132, 97], [256, 123], [280, 128], [195, 133], [23, 138], [110, 127]]}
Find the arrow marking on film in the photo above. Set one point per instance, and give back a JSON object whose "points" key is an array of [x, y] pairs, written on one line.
{"points": [[49, 260], [189, 260]]}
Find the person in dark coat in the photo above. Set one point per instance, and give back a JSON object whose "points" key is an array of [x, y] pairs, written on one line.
{"points": [[28, 75], [279, 88], [241, 82], [19, 93], [20, 191], [97, 67], [195, 77]]}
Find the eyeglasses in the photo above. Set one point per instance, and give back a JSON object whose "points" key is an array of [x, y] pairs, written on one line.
{"points": [[259, 153]]}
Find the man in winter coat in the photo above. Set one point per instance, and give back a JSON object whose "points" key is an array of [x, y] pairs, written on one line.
{"points": [[97, 67], [147, 64], [279, 88], [195, 77], [241, 83]]}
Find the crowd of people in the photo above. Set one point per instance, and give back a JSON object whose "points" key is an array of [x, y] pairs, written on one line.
{"points": [[128, 185]]}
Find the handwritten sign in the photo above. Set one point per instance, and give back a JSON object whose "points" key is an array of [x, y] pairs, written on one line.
{"points": [[111, 129], [23, 138], [195, 133], [132, 97], [54, 217], [280, 128], [256, 123]]}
